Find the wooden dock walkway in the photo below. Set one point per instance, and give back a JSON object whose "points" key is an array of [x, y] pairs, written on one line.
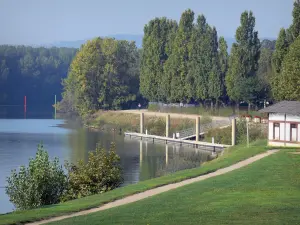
{"points": [[198, 144]]}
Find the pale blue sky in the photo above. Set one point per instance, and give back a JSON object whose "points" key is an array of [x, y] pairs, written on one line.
{"points": [[47, 21]]}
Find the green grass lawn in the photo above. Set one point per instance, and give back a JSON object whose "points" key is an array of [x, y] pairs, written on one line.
{"points": [[265, 192], [230, 156]]}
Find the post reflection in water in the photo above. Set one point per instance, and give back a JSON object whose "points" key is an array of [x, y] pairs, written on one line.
{"points": [[167, 154], [140, 160]]}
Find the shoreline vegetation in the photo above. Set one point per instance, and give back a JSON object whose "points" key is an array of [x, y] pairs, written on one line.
{"points": [[120, 122], [230, 156]]}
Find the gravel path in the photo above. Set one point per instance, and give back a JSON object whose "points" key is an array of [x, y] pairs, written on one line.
{"points": [[155, 191]]}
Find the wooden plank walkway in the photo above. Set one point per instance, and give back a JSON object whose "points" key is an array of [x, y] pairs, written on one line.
{"points": [[198, 144]]}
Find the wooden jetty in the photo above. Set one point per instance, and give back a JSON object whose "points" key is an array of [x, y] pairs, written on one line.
{"points": [[196, 144]]}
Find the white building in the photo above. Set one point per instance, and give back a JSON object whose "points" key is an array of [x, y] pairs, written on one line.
{"points": [[284, 124]]}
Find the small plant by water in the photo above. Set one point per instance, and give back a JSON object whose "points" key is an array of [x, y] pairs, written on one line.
{"points": [[44, 182]]}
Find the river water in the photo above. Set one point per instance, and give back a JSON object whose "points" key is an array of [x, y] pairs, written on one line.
{"points": [[140, 160]]}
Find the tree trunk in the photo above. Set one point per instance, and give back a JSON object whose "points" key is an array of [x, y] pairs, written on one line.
{"points": [[249, 107], [237, 107], [211, 105]]}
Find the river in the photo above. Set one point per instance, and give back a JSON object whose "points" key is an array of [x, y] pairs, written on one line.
{"points": [[140, 160]]}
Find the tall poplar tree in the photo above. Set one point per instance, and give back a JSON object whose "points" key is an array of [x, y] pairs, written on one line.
{"points": [[223, 60], [155, 41], [241, 79], [289, 88], [281, 50], [215, 75], [177, 64]]}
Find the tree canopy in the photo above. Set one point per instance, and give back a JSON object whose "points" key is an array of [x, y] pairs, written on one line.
{"points": [[241, 79], [34, 72], [103, 75]]}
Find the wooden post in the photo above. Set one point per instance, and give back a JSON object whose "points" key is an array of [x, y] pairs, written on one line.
{"points": [[248, 134], [167, 125], [233, 132], [142, 123], [55, 107], [167, 154], [141, 153], [197, 128]]}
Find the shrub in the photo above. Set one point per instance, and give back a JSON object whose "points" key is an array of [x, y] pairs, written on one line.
{"points": [[41, 183], [223, 136], [101, 173]]}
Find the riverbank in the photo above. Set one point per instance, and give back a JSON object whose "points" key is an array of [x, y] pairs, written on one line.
{"points": [[264, 192], [230, 156], [129, 120]]}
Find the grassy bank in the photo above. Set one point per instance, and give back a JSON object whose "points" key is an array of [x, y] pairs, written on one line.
{"points": [[265, 192], [222, 111], [105, 120], [230, 156]]}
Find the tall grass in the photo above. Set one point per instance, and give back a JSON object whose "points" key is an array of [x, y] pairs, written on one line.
{"points": [[131, 122], [222, 111]]}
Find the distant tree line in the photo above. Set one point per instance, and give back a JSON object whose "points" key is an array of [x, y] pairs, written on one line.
{"points": [[183, 61], [187, 62], [34, 72]]}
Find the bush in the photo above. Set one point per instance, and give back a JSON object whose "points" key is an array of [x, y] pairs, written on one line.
{"points": [[223, 136], [41, 183], [102, 173]]}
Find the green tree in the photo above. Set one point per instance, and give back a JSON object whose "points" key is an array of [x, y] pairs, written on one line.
{"points": [[289, 80], [101, 173], [177, 65], [41, 183], [281, 50], [295, 27], [223, 61], [215, 74], [155, 43], [200, 55], [103, 75], [241, 79]]}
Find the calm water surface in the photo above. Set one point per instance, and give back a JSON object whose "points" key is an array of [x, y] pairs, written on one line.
{"points": [[140, 160]]}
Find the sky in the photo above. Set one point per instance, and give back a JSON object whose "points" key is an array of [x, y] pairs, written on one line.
{"points": [[47, 21]]}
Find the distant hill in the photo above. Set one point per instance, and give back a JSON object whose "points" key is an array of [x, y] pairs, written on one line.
{"points": [[129, 37], [76, 44]]}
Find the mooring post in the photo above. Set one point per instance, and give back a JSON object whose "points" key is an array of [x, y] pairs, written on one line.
{"points": [[167, 154], [55, 107], [197, 127], [167, 125], [233, 132], [142, 123]]}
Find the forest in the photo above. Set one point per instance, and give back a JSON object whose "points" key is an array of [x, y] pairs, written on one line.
{"points": [[33, 72], [180, 61]]}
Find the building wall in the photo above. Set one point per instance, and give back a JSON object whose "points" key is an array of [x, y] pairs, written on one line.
{"points": [[284, 129]]}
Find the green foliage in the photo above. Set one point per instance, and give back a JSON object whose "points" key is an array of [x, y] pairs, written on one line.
{"points": [[177, 65], [265, 73], [103, 75], [36, 72], [281, 51], [101, 173], [41, 183], [289, 80], [241, 79], [154, 85], [223, 136], [295, 27]]}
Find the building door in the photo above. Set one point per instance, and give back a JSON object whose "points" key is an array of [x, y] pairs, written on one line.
{"points": [[294, 132], [276, 131]]}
